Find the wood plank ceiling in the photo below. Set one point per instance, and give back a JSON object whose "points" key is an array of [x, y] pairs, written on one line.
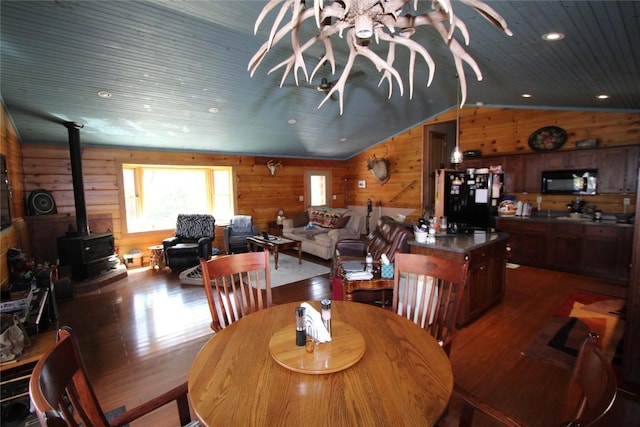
{"points": [[167, 63]]}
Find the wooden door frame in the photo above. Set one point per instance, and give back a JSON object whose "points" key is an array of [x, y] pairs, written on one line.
{"points": [[631, 351], [445, 128]]}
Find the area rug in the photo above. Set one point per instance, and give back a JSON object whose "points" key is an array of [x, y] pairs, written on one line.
{"points": [[559, 339], [288, 271]]}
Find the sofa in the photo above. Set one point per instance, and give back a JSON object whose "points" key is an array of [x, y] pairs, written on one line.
{"points": [[389, 237], [320, 228]]}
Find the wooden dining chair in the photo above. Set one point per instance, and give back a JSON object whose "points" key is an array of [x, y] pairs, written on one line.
{"points": [[236, 285], [62, 395], [428, 289], [590, 393]]}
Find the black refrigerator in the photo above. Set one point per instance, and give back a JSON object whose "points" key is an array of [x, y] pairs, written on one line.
{"points": [[469, 199]]}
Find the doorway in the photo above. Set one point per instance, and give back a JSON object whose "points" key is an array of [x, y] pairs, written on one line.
{"points": [[436, 156], [317, 187]]}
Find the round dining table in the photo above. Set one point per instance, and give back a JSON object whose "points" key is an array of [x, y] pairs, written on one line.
{"points": [[401, 375]]}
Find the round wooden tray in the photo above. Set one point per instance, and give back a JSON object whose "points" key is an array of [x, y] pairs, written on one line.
{"points": [[345, 349]]}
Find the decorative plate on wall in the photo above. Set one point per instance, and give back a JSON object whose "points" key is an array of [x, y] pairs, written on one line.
{"points": [[548, 138]]}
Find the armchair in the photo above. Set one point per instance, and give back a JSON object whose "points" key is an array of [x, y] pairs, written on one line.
{"points": [[388, 238], [236, 233], [192, 241]]}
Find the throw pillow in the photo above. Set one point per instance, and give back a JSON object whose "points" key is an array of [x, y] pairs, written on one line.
{"points": [[342, 222], [300, 219], [324, 218]]}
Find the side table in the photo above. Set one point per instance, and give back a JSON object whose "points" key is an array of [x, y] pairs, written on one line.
{"points": [[156, 257]]}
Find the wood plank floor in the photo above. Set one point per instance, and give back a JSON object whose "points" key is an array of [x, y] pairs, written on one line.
{"points": [[139, 336]]}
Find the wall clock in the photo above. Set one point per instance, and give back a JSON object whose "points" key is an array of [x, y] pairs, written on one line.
{"points": [[548, 138]]}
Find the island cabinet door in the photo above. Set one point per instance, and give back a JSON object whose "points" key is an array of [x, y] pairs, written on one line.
{"points": [[485, 287], [485, 280], [476, 298], [497, 272]]}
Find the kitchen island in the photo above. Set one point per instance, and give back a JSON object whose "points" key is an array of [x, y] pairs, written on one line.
{"points": [[487, 259], [599, 249]]}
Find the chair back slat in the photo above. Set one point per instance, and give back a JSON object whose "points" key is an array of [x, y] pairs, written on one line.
{"points": [[62, 395], [61, 380], [428, 290], [236, 285], [590, 394], [592, 388]]}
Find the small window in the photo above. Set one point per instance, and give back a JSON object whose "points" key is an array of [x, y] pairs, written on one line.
{"points": [[318, 187], [155, 194]]}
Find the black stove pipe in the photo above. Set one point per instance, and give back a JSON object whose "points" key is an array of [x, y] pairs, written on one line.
{"points": [[75, 154]]}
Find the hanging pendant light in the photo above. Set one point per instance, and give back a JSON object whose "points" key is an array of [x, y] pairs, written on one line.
{"points": [[456, 155]]}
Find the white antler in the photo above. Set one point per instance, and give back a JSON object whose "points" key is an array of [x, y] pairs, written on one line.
{"points": [[384, 15]]}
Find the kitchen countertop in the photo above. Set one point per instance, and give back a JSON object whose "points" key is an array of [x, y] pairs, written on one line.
{"points": [[566, 220], [462, 242]]}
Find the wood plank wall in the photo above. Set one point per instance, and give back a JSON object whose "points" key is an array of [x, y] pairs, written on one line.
{"points": [[499, 131], [258, 193], [496, 131], [12, 237]]}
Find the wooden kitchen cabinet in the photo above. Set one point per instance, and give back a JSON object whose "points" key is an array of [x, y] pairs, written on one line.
{"points": [[532, 169], [476, 163], [565, 245], [527, 240], [486, 276], [618, 170], [576, 159], [602, 251], [513, 167], [486, 272]]}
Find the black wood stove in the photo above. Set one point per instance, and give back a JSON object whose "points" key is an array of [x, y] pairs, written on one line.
{"points": [[87, 254]]}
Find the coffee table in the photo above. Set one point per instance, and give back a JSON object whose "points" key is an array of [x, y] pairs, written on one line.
{"points": [[376, 283], [275, 244]]}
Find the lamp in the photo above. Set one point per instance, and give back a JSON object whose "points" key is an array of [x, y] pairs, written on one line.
{"points": [[362, 21], [456, 155]]}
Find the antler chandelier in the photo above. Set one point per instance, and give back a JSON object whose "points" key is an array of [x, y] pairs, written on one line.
{"points": [[359, 22]]}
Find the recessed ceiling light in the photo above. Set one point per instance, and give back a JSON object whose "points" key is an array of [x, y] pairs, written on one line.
{"points": [[603, 96], [214, 110], [104, 94], [343, 139], [292, 121], [552, 37], [526, 95]]}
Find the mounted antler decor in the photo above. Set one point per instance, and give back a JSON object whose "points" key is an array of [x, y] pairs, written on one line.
{"points": [[379, 168], [364, 20], [273, 166]]}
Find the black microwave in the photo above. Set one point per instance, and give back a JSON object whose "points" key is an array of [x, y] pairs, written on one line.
{"points": [[576, 181]]}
